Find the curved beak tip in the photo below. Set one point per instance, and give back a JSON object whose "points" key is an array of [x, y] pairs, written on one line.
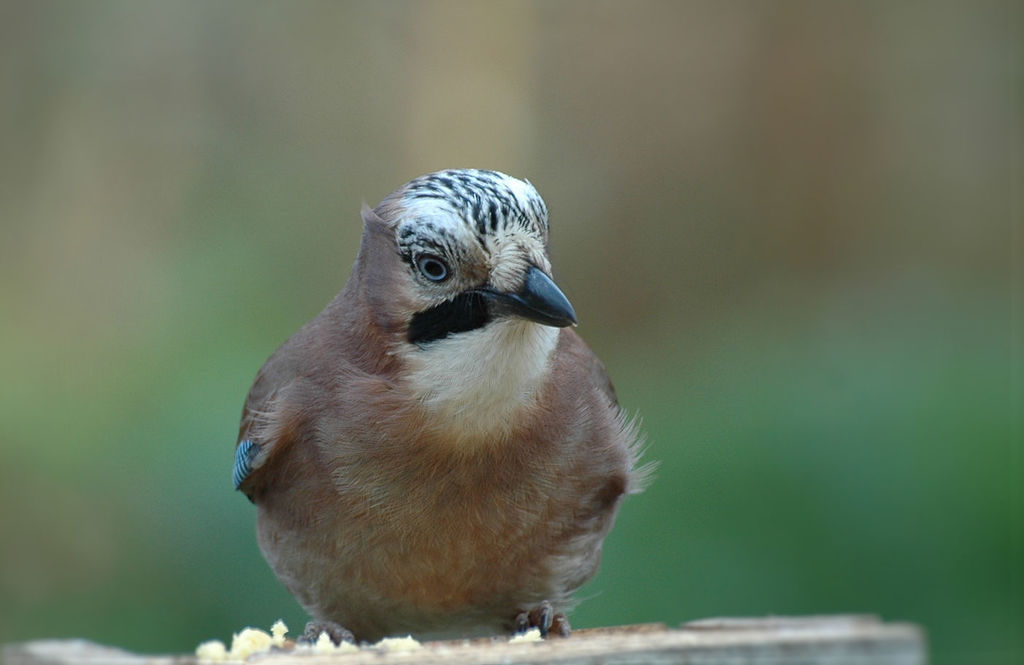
{"points": [[539, 300], [546, 301]]}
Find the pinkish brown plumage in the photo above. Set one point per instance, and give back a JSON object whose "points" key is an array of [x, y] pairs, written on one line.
{"points": [[437, 452]]}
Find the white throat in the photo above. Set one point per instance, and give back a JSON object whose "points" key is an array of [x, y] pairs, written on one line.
{"points": [[477, 382]]}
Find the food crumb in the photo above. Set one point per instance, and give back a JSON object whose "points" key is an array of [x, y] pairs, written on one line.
{"points": [[277, 633], [532, 635], [324, 645], [212, 651], [248, 642], [407, 643]]}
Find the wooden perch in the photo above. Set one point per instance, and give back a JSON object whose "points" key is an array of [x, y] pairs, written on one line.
{"points": [[831, 640]]}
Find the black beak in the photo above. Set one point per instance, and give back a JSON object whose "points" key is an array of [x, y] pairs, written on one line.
{"points": [[539, 300]]}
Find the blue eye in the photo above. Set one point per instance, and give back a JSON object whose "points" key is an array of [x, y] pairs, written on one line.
{"points": [[432, 267]]}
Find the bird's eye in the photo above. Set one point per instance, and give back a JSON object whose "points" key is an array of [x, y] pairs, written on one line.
{"points": [[432, 268]]}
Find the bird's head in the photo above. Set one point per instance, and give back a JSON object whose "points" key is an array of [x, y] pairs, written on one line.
{"points": [[471, 249], [454, 269]]}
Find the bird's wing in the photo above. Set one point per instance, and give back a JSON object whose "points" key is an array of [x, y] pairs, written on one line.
{"points": [[267, 426], [583, 357]]}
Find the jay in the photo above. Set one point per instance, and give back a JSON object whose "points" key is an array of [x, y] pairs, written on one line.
{"points": [[438, 452]]}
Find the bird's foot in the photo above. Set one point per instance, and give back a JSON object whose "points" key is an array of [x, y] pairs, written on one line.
{"points": [[544, 618], [335, 631]]}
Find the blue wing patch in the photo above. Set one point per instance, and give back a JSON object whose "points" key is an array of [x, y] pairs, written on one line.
{"points": [[244, 454]]}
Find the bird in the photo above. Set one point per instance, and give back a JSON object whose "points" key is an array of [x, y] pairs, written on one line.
{"points": [[438, 453]]}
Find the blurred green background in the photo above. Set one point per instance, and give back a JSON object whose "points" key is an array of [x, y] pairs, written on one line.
{"points": [[792, 230]]}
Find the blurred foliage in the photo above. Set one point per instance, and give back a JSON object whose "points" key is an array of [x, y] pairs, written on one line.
{"points": [[791, 229]]}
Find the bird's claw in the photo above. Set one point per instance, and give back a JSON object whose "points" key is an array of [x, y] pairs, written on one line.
{"points": [[545, 619], [335, 631]]}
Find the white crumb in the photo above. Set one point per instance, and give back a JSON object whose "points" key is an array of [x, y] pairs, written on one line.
{"points": [[277, 633], [212, 651], [248, 642], [406, 643], [324, 645], [532, 635]]}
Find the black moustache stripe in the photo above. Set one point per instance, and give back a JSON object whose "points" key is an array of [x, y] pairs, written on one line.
{"points": [[466, 311]]}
